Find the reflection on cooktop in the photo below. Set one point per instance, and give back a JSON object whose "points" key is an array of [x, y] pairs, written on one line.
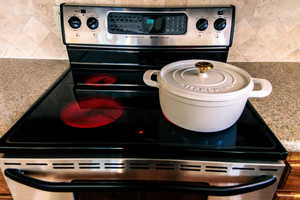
{"points": [[91, 112], [99, 79], [226, 138]]}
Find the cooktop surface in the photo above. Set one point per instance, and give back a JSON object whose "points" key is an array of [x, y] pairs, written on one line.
{"points": [[127, 120]]}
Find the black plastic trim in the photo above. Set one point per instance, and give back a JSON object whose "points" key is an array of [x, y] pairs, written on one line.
{"points": [[91, 57], [62, 24], [232, 25]]}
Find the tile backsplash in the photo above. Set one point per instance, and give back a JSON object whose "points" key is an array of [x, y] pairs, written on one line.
{"points": [[266, 30]]}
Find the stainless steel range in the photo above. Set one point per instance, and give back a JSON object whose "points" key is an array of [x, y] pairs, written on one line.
{"points": [[99, 132]]}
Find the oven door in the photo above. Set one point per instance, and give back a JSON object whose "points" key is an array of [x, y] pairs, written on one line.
{"points": [[133, 189], [125, 179]]}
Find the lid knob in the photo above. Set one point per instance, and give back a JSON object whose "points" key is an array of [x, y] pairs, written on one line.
{"points": [[204, 66]]}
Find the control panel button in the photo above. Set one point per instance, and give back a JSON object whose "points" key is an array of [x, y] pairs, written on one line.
{"points": [[74, 22], [220, 24], [92, 23], [202, 24]]}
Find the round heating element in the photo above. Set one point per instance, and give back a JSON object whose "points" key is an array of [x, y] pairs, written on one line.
{"points": [[91, 112], [100, 80]]}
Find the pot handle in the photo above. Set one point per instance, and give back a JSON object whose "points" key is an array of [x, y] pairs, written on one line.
{"points": [[265, 90], [147, 78]]}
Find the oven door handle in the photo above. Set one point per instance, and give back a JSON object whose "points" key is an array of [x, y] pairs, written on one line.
{"points": [[254, 184]]}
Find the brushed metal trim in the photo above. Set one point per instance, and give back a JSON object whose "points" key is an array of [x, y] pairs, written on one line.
{"points": [[192, 37], [231, 168]]}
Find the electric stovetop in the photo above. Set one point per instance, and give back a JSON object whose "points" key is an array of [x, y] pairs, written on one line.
{"points": [[128, 121]]}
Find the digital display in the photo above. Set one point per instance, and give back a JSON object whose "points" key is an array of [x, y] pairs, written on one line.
{"points": [[154, 24], [147, 24], [150, 21]]}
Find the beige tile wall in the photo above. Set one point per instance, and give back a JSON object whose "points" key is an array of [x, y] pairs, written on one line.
{"points": [[266, 30]]}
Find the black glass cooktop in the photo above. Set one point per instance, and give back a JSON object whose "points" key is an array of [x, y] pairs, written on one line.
{"points": [[115, 119]]}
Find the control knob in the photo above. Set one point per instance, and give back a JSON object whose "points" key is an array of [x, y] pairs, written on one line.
{"points": [[92, 23], [220, 24], [202, 24], [74, 22]]}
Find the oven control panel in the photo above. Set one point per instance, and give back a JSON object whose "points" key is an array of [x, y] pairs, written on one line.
{"points": [[147, 24], [114, 26]]}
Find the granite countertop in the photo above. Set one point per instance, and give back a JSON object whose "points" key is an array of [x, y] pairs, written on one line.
{"points": [[23, 81], [280, 110]]}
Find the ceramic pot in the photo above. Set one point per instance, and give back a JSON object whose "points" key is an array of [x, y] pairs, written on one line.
{"points": [[204, 95]]}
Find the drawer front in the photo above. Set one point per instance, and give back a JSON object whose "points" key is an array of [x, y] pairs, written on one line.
{"points": [[284, 195], [292, 182], [3, 187]]}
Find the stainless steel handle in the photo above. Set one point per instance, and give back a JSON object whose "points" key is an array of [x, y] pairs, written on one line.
{"points": [[256, 183]]}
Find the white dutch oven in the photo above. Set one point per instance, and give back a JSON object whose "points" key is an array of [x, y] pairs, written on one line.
{"points": [[203, 95]]}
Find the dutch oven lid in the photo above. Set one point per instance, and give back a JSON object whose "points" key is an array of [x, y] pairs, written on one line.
{"points": [[203, 78]]}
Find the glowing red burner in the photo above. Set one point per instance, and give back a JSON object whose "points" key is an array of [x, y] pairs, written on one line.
{"points": [[100, 79], [140, 132], [91, 112]]}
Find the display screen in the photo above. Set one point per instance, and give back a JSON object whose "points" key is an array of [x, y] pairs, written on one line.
{"points": [[147, 24], [152, 24]]}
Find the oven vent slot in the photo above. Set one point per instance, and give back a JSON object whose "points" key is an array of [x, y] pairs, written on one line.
{"points": [[165, 166], [215, 167], [243, 168], [63, 165], [11, 163], [114, 165], [139, 165], [89, 164], [37, 164], [215, 170], [89, 167], [268, 169], [190, 167]]}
